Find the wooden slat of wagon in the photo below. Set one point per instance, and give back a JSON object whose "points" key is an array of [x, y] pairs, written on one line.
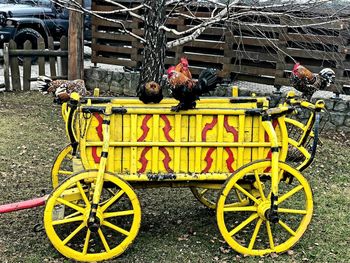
{"points": [[198, 150], [220, 138], [177, 150], [133, 138], [182, 144], [155, 138]]}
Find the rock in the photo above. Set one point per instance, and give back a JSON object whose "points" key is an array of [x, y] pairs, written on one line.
{"points": [[337, 119], [340, 106]]}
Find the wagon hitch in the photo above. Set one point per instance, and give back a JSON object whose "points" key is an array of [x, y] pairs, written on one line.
{"points": [[271, 214], [93, 221]]}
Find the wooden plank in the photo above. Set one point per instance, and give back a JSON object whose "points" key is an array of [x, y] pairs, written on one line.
{"points": [[125, 50], [15, 75], [251, 55], [113, 61], [252, 70], [27, 66], [76, 46], [317, 39], [52, 59], [314, 54], [64, 59], [41, 59], [7, 67], [111, 36]]}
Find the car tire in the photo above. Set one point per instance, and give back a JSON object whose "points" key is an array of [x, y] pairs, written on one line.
{"points": [[25, 34]]}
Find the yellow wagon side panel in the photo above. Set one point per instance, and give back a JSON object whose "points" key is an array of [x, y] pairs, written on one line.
{"points": [[155, 140]]}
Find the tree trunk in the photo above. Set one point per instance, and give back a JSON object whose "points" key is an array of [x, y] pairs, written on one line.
{"points": [[152, 68]]}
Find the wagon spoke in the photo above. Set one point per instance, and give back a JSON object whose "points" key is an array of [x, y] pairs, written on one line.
{"points": [[269, 233], [63, 172], [67, 220], [291, 211], [204, 191], [255, 233], [116, 228], [245, 192], [71, 205], [103, 239], [286, 227], [76, 231], [243, 224], [72, 215], [86, 243], [83, 195], [261, 190], [289, 194], [119, 213], [229, 208], [112, 200]]}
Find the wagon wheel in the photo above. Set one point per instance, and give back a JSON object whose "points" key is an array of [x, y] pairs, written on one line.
{"points": [[246, 229], [63, 166], [67, 211], [208, 197]]}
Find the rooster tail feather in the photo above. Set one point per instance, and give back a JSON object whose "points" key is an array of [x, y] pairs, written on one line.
{"points": [[45, 81], [207, 80]]}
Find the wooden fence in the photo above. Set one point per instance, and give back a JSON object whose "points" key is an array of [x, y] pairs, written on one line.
{"points": [[257, 54], [12, 72]]}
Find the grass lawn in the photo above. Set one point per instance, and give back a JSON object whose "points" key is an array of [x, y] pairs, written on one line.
{"points": [[174, 227]]}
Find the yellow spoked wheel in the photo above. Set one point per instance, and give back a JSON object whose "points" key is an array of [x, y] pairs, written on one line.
{"points": [[68, 208], [62, 167], [247, 228], [208, 197]]}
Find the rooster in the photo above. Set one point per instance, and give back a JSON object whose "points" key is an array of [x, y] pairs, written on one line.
{"points": [[62, 89], [152, 92], [308, 83], [183, 67], [186, 90]]}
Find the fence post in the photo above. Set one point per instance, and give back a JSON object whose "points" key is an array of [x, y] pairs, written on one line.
{"points": [[52, 59], [27, 66], [64, 60], [41, 59], [7, 67], [15, 75]]}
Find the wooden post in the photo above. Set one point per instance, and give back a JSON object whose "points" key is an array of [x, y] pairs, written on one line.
{"points": [[7, 67], [64, 59], [15, 76], [52, 59], [41, 59], [76, 45], [27, 65]]}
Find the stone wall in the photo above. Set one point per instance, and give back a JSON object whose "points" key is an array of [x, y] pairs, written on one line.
{"points": [[119, 83]]}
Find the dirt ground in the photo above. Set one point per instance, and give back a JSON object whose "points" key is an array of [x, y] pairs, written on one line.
{"points": [[174, 227]]}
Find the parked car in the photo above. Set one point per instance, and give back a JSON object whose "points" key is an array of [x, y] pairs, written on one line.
{"points": [[23, 20]]}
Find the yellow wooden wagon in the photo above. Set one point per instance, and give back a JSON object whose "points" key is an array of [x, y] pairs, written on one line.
{"points": [[234, 148]]}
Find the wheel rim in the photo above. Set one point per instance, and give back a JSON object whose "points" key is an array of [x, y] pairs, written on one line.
{"points": [[63, 166], [119, 213], [246, 229], [208, 197]]}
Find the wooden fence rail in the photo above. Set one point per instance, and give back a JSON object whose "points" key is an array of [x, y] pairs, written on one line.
{"points": [[257, 54], [58, 59]]}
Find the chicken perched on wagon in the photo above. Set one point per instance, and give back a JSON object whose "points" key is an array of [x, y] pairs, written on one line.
{"points": [[231, 152]]}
